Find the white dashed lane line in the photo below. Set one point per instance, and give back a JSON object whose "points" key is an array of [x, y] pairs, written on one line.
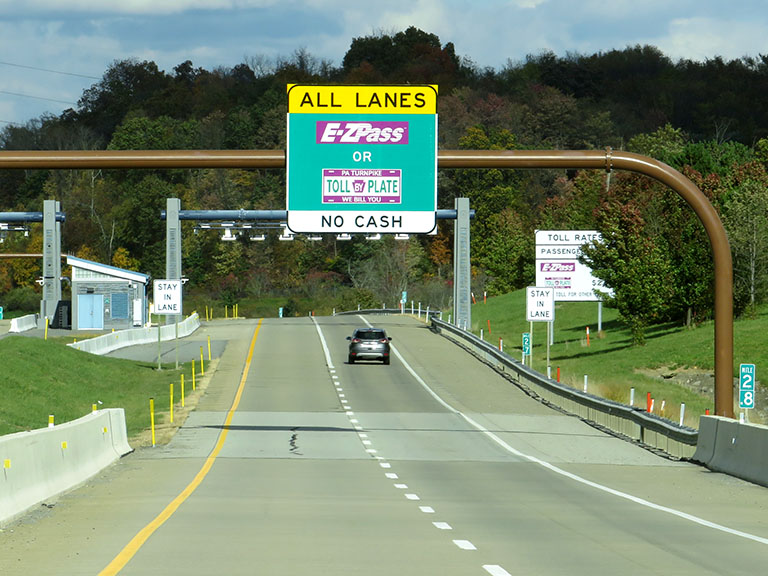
{"points": [[492, 569], [495, 570]]}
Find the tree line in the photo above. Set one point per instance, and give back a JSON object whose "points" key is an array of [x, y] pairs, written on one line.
{"points": [[707, 119]]}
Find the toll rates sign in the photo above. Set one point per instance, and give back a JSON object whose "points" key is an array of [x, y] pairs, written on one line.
{"points": [[362, 159]]}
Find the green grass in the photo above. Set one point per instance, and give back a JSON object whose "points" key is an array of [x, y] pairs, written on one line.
{"points": [[46, 377], [613, 365], [42, 377], [265, 307]]}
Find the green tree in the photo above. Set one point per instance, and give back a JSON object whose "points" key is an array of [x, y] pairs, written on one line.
{"points": [[630, 263]]}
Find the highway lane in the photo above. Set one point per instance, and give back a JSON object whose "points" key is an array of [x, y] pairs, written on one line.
{"points": [[346, 469]]}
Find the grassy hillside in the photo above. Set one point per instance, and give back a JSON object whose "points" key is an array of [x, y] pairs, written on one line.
{"points": [[46, 377], [42, 377], [672, 354]]}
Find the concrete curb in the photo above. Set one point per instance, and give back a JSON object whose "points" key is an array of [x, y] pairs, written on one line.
{"points": [[41, 464], [134, 336]]}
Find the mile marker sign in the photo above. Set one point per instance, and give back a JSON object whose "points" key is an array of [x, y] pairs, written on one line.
{"points": [[362, 159], [167, 296], [746, 386], [540, 304]]}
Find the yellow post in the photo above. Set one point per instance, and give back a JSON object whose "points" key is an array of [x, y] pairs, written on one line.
{"points": [[94, 408], [206, 312], [182, 390], [202, 364], [226, 310], [152, 419], [209, 348], [50, 420], [171, 402], [193, 374], [46, 328]]}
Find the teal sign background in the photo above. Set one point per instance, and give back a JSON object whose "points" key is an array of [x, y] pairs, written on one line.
{"points": [[416, 160]]}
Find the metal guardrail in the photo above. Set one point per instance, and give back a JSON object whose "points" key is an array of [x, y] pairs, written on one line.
{"points": [[424, 311], [647, 429]]}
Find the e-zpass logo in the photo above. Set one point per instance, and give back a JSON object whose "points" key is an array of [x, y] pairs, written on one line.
{"points": [[392, 132], [558, 266]]}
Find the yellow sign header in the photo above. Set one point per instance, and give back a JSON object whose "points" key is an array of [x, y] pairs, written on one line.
{"points": [[403, 99]]}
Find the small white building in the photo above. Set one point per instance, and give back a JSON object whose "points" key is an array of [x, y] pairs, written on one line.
{"points": [[106, 297]]}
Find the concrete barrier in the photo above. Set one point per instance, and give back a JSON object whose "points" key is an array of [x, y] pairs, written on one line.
{"points": [[122, 338], [734, 448], [41, 464], [23, 323]]}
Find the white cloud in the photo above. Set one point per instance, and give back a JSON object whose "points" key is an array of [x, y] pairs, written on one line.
{"points": [[702, 38], [527, 4], [149, 7]]}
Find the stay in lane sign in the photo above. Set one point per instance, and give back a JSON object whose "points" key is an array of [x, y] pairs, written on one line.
{"points": [[362, 159], [540, 304], [167, 295]]}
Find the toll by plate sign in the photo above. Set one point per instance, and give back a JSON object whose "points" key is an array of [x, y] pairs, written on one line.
{"points": [[362, 159], [362, 186]]}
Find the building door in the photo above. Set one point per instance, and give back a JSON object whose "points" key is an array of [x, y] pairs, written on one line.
{"points": [[90, 312]]}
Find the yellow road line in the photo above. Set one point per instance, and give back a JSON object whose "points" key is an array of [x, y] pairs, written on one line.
{"points": [[130, 550]]}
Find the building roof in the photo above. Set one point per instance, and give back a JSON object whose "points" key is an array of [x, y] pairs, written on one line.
{"points": [[107, 270]]}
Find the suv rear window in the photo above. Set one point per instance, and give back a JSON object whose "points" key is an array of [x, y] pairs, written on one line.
{"points": [[370, 334]]}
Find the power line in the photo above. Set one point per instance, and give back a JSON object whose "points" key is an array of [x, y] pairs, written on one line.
{"points": [[49, 70], [37, 97]]}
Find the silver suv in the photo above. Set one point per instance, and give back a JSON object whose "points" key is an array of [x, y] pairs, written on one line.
{"points": [[369, 344]]}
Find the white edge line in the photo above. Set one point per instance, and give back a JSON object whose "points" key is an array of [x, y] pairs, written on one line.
{"points": [[325, 345], [574, 477]]}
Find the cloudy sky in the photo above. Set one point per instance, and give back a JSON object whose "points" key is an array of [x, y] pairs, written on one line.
{"points": [[51, 50]]}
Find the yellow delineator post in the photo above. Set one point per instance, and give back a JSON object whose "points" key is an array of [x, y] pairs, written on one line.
{"points": [[209, 348], [202, 364], [226, 311], [46, 328], [193, 374], [152, 419], [171, 402], [182, 390]]}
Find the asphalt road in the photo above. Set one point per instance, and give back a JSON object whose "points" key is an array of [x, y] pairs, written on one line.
{"points": [[432, 465]]}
